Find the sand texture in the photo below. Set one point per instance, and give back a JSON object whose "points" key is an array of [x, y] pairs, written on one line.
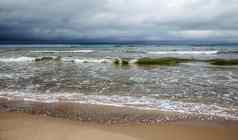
{"points": [[21, 126]]}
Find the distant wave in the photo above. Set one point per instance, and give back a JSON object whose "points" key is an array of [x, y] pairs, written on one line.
{"points": [[228, 52], [184, 52], [55, 51]]}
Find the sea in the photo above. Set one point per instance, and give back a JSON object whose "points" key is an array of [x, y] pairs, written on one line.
{"points": [[86, 74]]}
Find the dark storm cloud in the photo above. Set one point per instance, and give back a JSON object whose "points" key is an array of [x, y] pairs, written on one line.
{"points": [[119, 19]]}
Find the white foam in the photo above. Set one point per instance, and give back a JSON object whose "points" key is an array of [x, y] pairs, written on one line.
{"points": [[133, 61], [17, 59], [55, 51], [6, 76], [143, 102], [184, 52], [88, 60], [77, 60]]}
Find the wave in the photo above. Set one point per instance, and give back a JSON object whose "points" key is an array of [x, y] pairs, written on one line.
{"points": [[72, 51], [143, 102], [118, 61], [228, 52], [184, 52], [87, 60], [64, 59], [54, 58], [17, 59]]}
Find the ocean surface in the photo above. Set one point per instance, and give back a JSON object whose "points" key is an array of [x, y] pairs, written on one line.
{"points": [[86, 74]]}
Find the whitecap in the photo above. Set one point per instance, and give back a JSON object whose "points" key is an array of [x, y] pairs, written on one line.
{"points": [[17, 59], [184, 52], [70, 51], [87, 60]]}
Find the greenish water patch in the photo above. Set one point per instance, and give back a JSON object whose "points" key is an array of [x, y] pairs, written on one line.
{"points": [[161, 61], [223, 62], [167, 61], [131, 50]]}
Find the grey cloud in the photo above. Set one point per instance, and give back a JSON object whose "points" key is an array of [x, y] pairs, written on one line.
{"points": [[119, 19]]}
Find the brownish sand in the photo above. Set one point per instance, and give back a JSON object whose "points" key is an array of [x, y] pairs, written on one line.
{"points": [[20, 126], [103, 114]]}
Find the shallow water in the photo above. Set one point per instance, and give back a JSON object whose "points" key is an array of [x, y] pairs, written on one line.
{"points": [[86, 74]]}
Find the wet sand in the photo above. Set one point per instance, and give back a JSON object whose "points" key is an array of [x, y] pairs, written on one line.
{"points": [[103, 114], [21, 126]]}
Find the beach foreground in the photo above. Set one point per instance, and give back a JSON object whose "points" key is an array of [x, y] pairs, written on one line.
{"points": [[19, 126]]}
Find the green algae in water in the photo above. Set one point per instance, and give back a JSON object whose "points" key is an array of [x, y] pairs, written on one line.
{"points": [[46, 58], [122, 62], [223, 62], [116, 61], [161, 61]]}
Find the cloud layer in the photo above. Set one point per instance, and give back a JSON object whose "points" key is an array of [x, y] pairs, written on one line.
{"points": [[119, 19]]}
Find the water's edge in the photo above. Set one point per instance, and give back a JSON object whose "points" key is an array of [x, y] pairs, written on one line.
{"points": [[103, 113]]}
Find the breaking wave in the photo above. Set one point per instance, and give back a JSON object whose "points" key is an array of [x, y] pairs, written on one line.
{"points": [[17, 59], [55, 58], [87, 60], [52, 58]]}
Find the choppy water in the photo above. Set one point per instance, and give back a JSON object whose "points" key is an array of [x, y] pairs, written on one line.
{"points": [[86, 75]]}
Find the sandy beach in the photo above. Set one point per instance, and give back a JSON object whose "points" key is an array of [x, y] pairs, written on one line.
{"points": [[25, 120], [21, 126]]}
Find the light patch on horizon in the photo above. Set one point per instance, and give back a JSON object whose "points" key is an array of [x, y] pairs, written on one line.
{"points": [[219, 34], [119, 19]]}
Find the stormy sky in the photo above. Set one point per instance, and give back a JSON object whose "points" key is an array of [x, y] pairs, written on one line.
{"points": [[119, 19]]}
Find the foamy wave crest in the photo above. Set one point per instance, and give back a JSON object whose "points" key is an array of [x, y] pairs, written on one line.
{"points": [[17, 59], [144, 102], [184, 52], [71, 51], [54, 58], [87, 60]]}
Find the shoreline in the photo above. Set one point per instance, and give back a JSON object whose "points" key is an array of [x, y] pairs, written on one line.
{"points": [[104, 114], [17, 126]]}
